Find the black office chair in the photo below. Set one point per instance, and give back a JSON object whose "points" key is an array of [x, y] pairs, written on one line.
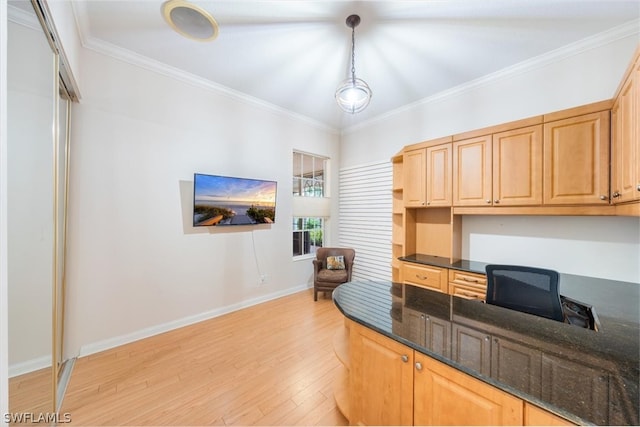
{"points": [[527, 289]]}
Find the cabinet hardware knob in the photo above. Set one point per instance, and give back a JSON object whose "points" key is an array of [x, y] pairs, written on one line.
{"points": [[603, 197], [487, 338], [467, 279], [496, 201], [422, 203], [616, 195], [418, 366], [638, 187], [422, 316], [428, 203], [488, 201], [405, 358]]}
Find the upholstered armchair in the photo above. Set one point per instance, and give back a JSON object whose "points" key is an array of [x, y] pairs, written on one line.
{"points": [[331, 268]]}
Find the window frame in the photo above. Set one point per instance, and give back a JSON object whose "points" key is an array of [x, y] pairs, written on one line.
{"points": [[310, 171], [305, 230]]}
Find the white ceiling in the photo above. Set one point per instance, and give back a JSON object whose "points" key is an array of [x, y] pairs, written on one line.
{"points": [[294, 53]]}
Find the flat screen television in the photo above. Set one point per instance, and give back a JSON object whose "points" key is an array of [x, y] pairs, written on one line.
{"points": [[225, 200]]}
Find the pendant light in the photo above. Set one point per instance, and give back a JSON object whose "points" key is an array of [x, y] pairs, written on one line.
{"points": [[353, 94]]}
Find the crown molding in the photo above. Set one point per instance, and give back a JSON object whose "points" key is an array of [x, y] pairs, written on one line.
{"points": [[22, 17], [144, 62], [604, 38], [132, 58]]}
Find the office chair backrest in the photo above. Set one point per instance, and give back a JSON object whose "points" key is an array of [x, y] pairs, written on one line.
{"points": [[527, 289]]}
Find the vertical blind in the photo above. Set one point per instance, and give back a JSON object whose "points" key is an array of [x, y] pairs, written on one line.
{"points": [[365, 218]]}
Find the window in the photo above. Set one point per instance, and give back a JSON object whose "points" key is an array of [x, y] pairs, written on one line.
{"points": [[307, 235], [308, 175], [311, 205]]}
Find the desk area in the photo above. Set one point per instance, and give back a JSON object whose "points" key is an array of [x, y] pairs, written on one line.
{"points": [[580, 375]]}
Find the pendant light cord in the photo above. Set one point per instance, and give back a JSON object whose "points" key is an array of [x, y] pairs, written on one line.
{"points": [[353, 53]]}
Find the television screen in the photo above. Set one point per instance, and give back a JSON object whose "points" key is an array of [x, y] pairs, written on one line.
{"points": [[226, 200]]}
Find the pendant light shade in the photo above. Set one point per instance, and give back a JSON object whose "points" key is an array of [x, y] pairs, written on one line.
{"points": [[353, 94]]}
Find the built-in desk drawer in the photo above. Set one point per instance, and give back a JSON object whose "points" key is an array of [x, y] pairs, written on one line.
{"points": [[426, 276], [467, 285]]}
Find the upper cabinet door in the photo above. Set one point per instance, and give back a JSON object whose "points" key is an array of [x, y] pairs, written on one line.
{"points": [[517, 167], [625, 147], [576, 160], [439, 186], [415, 178], [472, 172]]}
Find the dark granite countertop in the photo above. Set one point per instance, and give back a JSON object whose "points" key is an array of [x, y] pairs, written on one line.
{"points": [[462, 265], [585, 376]]}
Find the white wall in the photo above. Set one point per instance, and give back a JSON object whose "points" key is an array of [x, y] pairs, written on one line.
{"points": [[604, 247], [136, 266], [584, 73]]}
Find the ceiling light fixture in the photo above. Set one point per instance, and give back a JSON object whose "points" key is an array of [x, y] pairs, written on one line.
{"points": [[353, 94], [190, 20]]}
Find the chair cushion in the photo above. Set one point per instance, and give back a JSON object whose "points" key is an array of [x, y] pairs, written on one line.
{"points": [[333, 276], [335, 262]]}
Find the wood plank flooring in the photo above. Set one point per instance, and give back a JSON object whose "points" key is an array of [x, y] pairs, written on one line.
{"points": [[31, 393], [271, 364]]}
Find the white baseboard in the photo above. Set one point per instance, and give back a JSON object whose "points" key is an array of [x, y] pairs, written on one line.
{"points": [[110, 343], [29, 366]]}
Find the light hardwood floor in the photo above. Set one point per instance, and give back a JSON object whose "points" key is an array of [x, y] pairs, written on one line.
{"points": [[31, 393], [271, 364]]}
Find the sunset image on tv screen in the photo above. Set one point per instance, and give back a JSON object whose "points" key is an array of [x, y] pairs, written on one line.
{"points": [[224, 200]]}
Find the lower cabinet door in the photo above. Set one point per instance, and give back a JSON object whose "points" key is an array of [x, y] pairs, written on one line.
{"points": [[447, 396], [381, 378], [535, 416]]}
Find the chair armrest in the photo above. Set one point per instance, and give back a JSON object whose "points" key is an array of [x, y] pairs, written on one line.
{"points": [[318, 264], [349, 267]]}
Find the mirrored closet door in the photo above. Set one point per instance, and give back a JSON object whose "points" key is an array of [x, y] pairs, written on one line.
{"points": [[37, 180]]}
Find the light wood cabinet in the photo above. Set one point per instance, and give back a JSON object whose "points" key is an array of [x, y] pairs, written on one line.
{"points": [[445, 396], [472, 184], [398, 225], [576, 160], [415, 178], [517, 167], [391, 384], [536, 416], [625, 145], [439, 187], [425, 276], [427, 176], [467, 285], [381, 379], [341, 386], [502, 169]]}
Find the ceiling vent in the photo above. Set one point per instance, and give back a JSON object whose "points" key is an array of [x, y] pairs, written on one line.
{"points": [[190, 20]]}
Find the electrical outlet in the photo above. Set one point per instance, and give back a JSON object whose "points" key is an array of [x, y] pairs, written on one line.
{"points": [[264, 278]]}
